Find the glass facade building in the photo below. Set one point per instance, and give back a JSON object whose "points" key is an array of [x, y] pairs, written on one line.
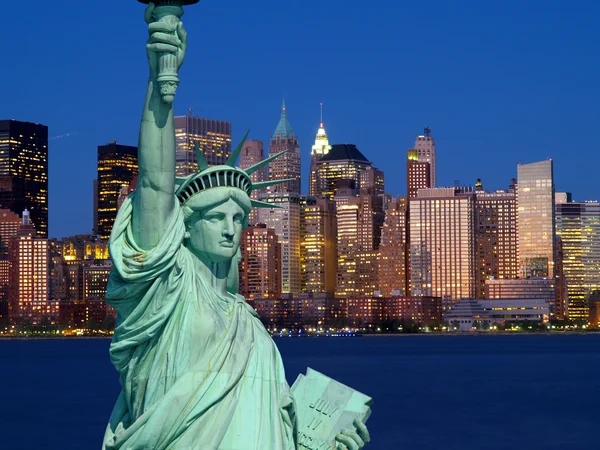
{"points": [[212, 136], [117, 167], [535, 219], [578, 225], [24, 170], [343, 162], [442, 243]]}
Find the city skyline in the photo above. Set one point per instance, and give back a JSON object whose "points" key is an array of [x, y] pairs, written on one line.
{"points": [[515, 94]]}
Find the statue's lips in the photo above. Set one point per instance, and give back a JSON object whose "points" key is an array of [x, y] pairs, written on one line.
{"points": [[227, 244]]}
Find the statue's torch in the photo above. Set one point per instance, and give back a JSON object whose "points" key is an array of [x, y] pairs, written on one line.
{"points": [[168, 11]]}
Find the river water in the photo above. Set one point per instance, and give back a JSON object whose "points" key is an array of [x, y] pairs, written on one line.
{"points": [[430, 392]]}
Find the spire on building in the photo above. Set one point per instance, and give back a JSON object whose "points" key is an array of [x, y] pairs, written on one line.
{"points": [[321, 104], [321, 146], [284, 128]]}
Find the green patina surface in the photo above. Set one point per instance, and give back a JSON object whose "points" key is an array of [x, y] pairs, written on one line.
{"points": [[197, 368]]}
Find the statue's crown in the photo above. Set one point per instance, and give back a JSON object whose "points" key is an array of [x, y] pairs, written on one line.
{"points": [[224, 176]]}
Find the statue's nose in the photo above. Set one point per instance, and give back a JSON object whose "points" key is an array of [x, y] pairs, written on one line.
{"points": [[228, 231]]}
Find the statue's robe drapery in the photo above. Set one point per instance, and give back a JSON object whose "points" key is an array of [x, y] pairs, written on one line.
{"points": [[197, 369]]}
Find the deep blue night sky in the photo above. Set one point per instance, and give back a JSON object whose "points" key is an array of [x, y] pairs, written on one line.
{"points": [[498, 82]]}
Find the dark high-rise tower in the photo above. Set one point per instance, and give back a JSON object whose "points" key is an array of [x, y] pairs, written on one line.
{"points": [[117, 166], [24, 170], [342, 162], [288, 165]]}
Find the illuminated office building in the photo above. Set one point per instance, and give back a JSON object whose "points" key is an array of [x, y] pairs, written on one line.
{"points": [[393, 252], [320, 149], [285, 220], [359, 223], [95, 280], [372, 181], [343, 162], [260, 268], [442, 243], [535, 219], [418, 173], [117, 166], [425, 147], [9, 225], [347, 218], [253, 153], [495, 237], [318, 245], [542, 288], [578, 226], [212, 136], [287, 165], [28, 280], [24, 170]]}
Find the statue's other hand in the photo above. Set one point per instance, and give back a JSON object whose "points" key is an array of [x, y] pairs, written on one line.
{"points": [[165, 37], [353, 440]]}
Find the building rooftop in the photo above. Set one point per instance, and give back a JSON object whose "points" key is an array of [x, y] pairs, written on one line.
{"points": [[344, 151]]}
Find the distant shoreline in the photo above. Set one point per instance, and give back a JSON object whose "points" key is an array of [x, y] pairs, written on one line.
{"points": [[463, 333]]}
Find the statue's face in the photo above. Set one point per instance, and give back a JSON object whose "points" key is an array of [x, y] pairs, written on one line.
{"points": [[215, 232]]}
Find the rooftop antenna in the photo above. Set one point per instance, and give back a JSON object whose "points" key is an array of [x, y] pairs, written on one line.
{"points": [[190, 112], [427, 131], [321, 104]]}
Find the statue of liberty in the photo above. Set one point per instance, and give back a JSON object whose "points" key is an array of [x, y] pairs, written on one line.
{"points": [[197, 368]]}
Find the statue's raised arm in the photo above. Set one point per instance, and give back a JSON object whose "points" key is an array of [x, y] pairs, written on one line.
{"points": [[155, 200]]}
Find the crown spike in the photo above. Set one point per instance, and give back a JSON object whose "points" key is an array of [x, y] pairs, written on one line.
{"points": [[234, 155], [264, 162], [264, 184], [200, 158]]}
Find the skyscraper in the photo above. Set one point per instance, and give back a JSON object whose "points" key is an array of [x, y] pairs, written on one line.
{"points": [[359, 223], [9, 225], [343, 162], [578, 225], [24, 170], [28, 285], [320, 149], [288, 165], [425, 147], [318, 245], [253, 153], [418, 173], [393, 250], [212, 136], [535, 219], [285, 220], [260, 269], [495, 237], [117, 166], [372, 180], [347, 217], [442, 243]]}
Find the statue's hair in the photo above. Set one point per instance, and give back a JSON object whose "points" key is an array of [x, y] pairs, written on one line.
{"points": [[214, 197]]}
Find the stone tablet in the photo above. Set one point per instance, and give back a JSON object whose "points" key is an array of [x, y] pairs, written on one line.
{"points": [[325, 407]]}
